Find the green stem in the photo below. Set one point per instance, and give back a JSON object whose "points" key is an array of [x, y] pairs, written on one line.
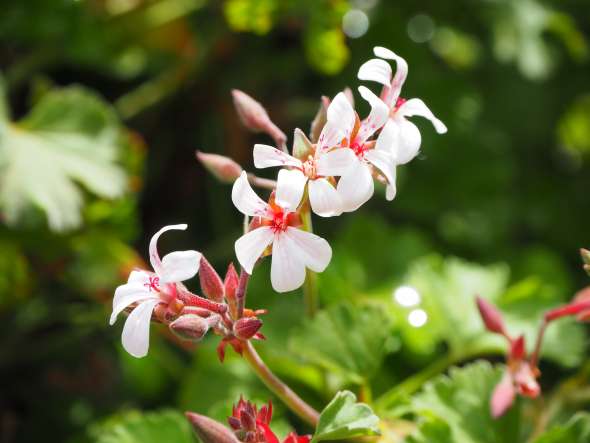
{"points": [[415, 382], [310, 286], [280, 389]]}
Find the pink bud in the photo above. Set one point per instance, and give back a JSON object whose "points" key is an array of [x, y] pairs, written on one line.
{"points": [[503, 396], [231, 283], [211, 283], [209, 430], [190, 327], [255, 118], [223, 168], [490, 316], [247, 327], [517, 348], [319, 120]]}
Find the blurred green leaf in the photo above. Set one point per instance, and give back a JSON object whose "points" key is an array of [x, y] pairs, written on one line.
{"points": [[326, 49], [456, 408], [344, 339], [71, 136], [344, 418], [250, 15], [15, 278], [447, 290], [152, 427], [576, 430], [573, 129]]}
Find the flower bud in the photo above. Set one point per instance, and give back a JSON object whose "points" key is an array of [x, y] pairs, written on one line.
{"points": [[247, 327], [190, 327], [209, 430], [585, 253], [517, 348], [255, 118], [490, 316], [231, 283], [211, 283], [221, 167], [503, 396]]}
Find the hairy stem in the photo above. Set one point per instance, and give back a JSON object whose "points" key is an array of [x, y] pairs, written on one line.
{"points": [[310, 286], [280, 389]]}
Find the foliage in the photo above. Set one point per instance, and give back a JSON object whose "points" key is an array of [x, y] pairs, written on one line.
{"points": [[345, 418]]}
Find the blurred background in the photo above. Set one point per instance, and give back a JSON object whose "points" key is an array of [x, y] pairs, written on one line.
{"points": [[104, 103]]}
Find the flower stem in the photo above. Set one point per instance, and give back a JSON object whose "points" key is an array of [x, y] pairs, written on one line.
{"points": [[280, 389], [310, 286]]}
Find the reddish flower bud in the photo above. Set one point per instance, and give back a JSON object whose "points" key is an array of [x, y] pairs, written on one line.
{"points": [[503, 396], [255, 118], [221, 167], [231, 283], [491, 317], [211, 283], [517, 349], [192, 327], [209, 430], [247, 327]]}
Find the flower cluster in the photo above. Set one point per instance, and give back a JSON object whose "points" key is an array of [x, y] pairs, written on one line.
{"points": [[161, 296], [329, 175], [248, 425]]}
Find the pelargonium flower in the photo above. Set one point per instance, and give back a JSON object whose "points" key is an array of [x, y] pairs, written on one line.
{"points": [[148, 290], [399, 135], [321, 163], [293, 250], [356, 184]]}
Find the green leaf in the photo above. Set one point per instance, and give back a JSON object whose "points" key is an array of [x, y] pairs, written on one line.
{"points": [[456, 408], [447, 290], [345, 418], [250, 15], [70, 137], [154, 427], [576, 430], [346, 339]]}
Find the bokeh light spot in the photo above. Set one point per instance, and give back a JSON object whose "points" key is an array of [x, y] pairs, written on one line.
{"points": [[417, 318], [355, 23], [406, 296], [421, 28]]}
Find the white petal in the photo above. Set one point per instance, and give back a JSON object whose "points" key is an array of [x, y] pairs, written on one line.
{"points": [[399, 78], [287, 270], [408, 141], [388, 137], [340, 111], [250, 246], [376, 70], [314, 250], [324, 199], [128, 294], [377, 117], [266, 156], [136, 332], [335, 163], [153, 249], [384, 161], [290, 187], [179, 266], [245, 199], [331, 136], [139, 276], [356, 187], [415, 106], [390, 192]]}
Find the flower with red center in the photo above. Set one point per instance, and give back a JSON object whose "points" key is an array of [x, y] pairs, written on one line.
{"points": [[355, 187], [148, 290], [317, 168], [293, 250], [399, 135]]}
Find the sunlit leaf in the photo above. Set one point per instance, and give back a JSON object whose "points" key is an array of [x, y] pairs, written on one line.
{"points": [[344, 418], [137, 427], [70, 138], [345, 339], [455, 408], [577, 430]]}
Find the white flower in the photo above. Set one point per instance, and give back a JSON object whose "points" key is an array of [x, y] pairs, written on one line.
{"points": [[293, 250], [355, 187], [149, 289], [321, 164], [399, 135]]}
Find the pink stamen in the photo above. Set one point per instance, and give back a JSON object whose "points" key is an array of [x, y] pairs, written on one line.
{"points": [[154, 283]]}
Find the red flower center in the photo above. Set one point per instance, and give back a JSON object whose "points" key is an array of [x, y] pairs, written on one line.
{"points": [[279, 222], [358, 148], [400, 101]]}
